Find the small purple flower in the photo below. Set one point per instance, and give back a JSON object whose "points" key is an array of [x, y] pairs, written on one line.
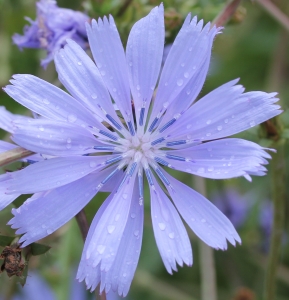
{"points": [[233, 205], [139, 140], [51, 28]]}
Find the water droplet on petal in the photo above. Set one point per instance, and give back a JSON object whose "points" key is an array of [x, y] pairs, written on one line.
{"points": [[180, 82], [57, 107], [136, 233], [162, 226], [193, 219], [43, 226], [203, 221], [252, 124], [68, 140], [100, 249], [49, 231], [219, 128], [190, 49], [188, 92], [46, 101], [208, 134], [208, 122], [92, 164], [171, 235], [124, 196], [138, 87], [110, 228], [79, 63], [182, 64], [102, 73], [71, 118], [226, 120], [189, 126], [41, 128], [186, 75], [201, 170], [132, 215], [93, 96], [117, 217], [124, 274]]}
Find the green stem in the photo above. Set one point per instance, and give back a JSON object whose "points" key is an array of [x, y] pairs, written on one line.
{"points": [[279, 196], [207, 263]]}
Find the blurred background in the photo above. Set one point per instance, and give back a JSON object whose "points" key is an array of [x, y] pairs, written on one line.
{"points": [[254, 47]]}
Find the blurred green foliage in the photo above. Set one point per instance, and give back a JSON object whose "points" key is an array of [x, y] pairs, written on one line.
{"points": [[247, 48]]}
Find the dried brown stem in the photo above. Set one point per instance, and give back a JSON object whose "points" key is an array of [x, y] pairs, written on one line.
{"points": [[16, 154], [275, 12], [226, 13], [82, 223]]}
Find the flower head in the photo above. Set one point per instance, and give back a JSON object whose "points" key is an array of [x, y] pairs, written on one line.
{"points": [[165, 130], [51, 28]]}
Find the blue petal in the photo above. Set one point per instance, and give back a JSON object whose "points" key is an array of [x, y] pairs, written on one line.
{"points": [[107, 236], [190, 50], [221, 159], [49, 101], [82, 79], [109, 56], [170, 234], [54, 138], [52, 209], [223, 112], [53, 173], [144, 56], [208, 223]]}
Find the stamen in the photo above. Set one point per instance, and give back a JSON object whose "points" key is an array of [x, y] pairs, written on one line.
{"points": [[155, 142], [104, 148], [109, 135], [162, 176], [140, 185], [170, 123], [132, 169], [29, 161], [113, 160], [153, 124], [167, 125], [175, 157], [141, 117], [149, 176], [128, 174], [109, 176], [130, 127], [114, 122], [161, 161], [176, 143]]}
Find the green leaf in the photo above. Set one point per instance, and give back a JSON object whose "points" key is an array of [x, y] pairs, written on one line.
{"points": [[6, 240], [22, 279], [38, 249]]}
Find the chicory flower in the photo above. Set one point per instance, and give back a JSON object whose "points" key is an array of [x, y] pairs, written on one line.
{"points": [[142, 133], [53, 25]]}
